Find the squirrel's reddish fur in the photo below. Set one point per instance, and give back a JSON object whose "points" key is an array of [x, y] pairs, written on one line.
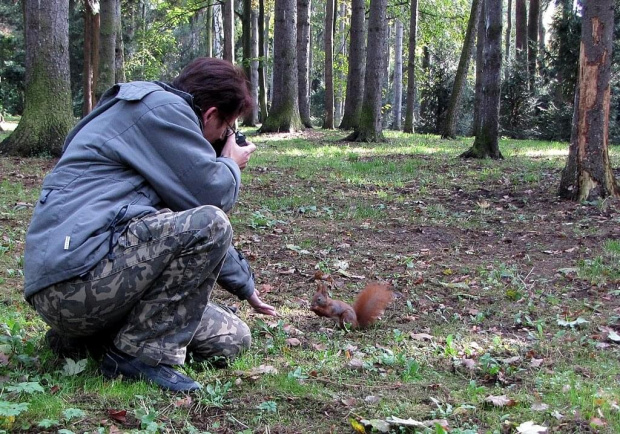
{"points": [[368, 306]]}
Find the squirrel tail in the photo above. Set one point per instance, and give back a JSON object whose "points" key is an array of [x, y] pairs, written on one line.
{"points": [[371, 302]]}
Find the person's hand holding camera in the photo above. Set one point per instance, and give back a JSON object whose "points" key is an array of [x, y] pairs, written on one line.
{"points": [[238, 149]]}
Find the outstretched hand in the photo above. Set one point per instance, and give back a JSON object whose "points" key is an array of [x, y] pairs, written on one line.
{"points": [[259, 306]]}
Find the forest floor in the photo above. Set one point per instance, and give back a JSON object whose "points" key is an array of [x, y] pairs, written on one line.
{"points": [[506, 317]]}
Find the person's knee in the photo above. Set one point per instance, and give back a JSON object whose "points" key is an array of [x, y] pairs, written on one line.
{"points": [[212, 226]]}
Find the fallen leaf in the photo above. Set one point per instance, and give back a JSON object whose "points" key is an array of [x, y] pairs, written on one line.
{"points": [[349, 402], [535, 363], [263, 369], [319, 347], [185, 402], [500, 401], [557, 414], [118, 415], [356, 363], [371, 399], [540, 406], [357, 427], [469, 363], [421, 336], [596, 422], [114, 430], [377, 425], [511, 360], [530, 427], [572, 324], [293, 342]]}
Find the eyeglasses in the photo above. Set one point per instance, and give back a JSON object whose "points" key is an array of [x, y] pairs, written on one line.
{"points": [[231, 130]]}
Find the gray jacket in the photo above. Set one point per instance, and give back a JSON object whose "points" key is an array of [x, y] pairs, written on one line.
{"points": [[139, 151]]}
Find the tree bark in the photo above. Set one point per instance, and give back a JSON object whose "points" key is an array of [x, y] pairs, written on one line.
{"points": [[262, 76], [87, 72], [209, 31], [303, 60], [370, 126], [254, 66], [480, 41], [328, 121], [47, 116], [246, 62], [284, 113], [588, 174], [355, 76], [107, 47], [119, 52], [411, 81], [508, 31], [228, 19], [486, 143], [532, 41], [449, 130], [521, 29], [398, 76]]}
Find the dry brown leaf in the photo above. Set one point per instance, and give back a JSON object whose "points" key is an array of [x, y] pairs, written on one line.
{"points": [[293, 342], [421, 336], [118, 415], [500, 401], [535, 363], [349, 402], [469, 363]]}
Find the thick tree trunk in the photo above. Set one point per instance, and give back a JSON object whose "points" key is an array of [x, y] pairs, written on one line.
{"points": [[411, 82], [47, 116], [398, 76], [532, 41], [588, 174], [449, 127], [370, 126], [355, 77], [486, 143], [96, 42], [328, 121], [107, 47], [254, 66], [87, 72], [284, 113], [246, 62], [303, 60], [481, 35], [508, 31]]}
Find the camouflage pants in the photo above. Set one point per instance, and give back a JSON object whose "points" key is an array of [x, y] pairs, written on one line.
{"points": [[153, 292]]}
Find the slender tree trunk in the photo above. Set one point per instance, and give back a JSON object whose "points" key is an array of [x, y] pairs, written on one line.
{"points": [[508, 31], [341, 53], [95, 56], [303, 60], [588, 174], [449, 128], [246, 62], [411, 82], [209, 31], [532, 41], [480, 42], [398, 75], [284, 113], [328, 122], [87, 73], [228, 18], [107, 47], [254, 66], [262, 77], [47, 116], [370, 126], [355, 77], [521, 30], [486, 143], [119, 52]]}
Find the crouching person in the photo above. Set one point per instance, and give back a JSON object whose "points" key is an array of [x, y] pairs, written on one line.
{"points": [[130, 233]]}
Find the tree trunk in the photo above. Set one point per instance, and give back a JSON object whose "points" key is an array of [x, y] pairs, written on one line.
{"points": [[246, 37], [87, 72], [486, 143], [398, 75], [254, 66], [47, 116], [355, 77], [95, 54], [218, 30], [480, 37], [303, 60], [370, 127], [588, 174], [119, 52], [411, 82], [508, 31], [328, 121], [107, 47], [341, 53], [520, 29], [228, 19], [262, 76], [209, 31], [284, 113], [449, 130], [532, 41]]}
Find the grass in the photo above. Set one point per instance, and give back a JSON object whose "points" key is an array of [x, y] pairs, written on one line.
{"points": [[508, 300]]}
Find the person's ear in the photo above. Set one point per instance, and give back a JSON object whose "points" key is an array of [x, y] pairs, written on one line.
{"points": [[208, 115]]}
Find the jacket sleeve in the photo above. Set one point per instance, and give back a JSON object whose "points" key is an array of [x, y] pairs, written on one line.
{"points": [[236, 275]]}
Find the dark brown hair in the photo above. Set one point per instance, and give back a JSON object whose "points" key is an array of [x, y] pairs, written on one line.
{"points": [[216, 83]]}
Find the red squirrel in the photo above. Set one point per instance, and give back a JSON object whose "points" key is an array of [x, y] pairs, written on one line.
{"points": [[368, 306]]}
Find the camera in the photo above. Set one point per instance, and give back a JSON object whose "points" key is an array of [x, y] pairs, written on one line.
{"points": [[219, 144]]}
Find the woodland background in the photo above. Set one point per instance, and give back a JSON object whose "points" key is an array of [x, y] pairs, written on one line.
{"points": [[121, 40]]}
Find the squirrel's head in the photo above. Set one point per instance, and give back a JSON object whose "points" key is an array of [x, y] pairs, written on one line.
{"points": [[320, 296]]}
